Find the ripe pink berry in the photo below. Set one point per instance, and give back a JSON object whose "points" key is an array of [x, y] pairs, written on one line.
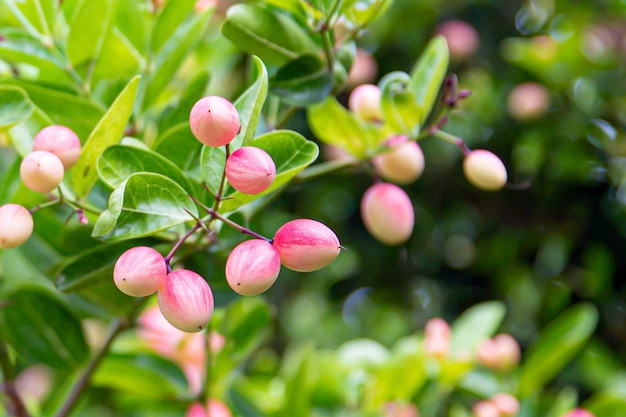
{"points": [[387, 213], [306, 245], [186, 300], [438, 327], [140, 271], [528, 101], [402, 164], [508, 350], [16, 225], [579, 412], [485, 409], [484, 170], [61, 141], [463, 40], [507, 405], [252, 267], [250, 170], [42, 171], [214, 121], [364, 102]]}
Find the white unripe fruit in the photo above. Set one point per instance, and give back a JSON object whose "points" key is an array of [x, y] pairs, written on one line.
{"points": [[364, 102], [42, 171], [16, 225], [484, 170], [402, 164]]}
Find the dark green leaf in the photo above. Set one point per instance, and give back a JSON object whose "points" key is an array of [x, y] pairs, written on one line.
{"points": [[303, 81], [145, 204], [557, 344], [107, 132], [181, 147], [428, 74], [15, 106], [273, 36], [41, 328]]}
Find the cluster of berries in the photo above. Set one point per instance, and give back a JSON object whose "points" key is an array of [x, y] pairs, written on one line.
{"points": [[55, 149], [386, 209], [252, 267]]}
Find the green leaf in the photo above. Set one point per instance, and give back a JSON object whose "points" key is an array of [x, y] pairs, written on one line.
{"points": [[363, 12], [22, 134], [476, 324], [273, 36], [557, 344], [303, 81], [428, 74], [180, 146], [41, 328], [118, 57], [564, 401], [178, 112], [36, 16], [15, 106], [334, 124], [400, 110], [250, 103], [212, 161], [168, 20], [148, 376], [291, 153], [107, 132], [87, 32], [172, 55], [118, 162], [144, 205], [606, 405]]}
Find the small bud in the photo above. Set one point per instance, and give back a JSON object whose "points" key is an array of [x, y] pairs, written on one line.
{"points": [[484, 170], [250, 170], [306, 245], [140, 271], [252, 267], [485, 409], [61, 141], [402, 164], [186, 300], [42, 171], [16, 225], [364, 102], [507, 405], [387, 213], [214, 121]]}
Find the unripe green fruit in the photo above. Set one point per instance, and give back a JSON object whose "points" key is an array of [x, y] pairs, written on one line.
{"points": [[140, 271], [484, 170], [186, 300], [16, 225], [306, 245], [61, 141], [402, 164], [364, 102], [252, 267], [250, 170], [387, 213], [42, 171], [214, 121]]}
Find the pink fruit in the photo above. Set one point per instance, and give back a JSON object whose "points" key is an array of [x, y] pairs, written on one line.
{"points": [[528, 101], [214, 121], [42, 171], [507, 405], [186, 300], [306, 245], [579, 412], [214, 408], [364, 102], [61, 141], [484, 170], [16, 225], [387, 213], [252, 267], [463, 40], [140, 271], [250, 170], [485, 409], [402, 164], [438, 327]]}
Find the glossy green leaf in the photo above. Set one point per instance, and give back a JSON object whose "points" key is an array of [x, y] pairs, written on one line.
{"points": [[73, 111], [36, 16], [118, 162], [606, 405], [250, 104], [145, 204], [87, 32], [180, 146], [178, 112], [334, 124], [400, 110], [363, 12], [428, 74], [107, 132], [273, 36], [132, 19], [303, 81], [212, 161], [168, 20], [291, 153], [566, 400], [557, 344], [171, 56], [22, 134], [476, 324], [118, 57], [15, 106], [41, 328], [145, 375]]}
